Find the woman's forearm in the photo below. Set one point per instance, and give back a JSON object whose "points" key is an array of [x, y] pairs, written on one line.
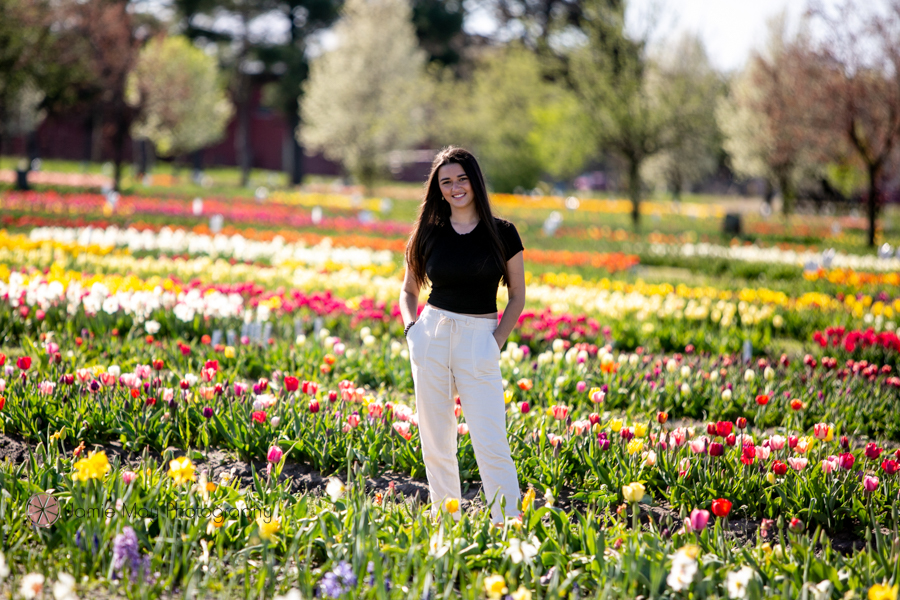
{"points": [[511, 313], [409, 306]]}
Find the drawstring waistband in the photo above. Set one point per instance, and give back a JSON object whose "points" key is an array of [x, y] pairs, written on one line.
{"points": [[456, 320]]}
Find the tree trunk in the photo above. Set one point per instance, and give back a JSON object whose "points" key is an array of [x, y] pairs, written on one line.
{"points": [[787, 193], [242, 137], [872, 203], [634, 190], [119, 148], [296, 164]]}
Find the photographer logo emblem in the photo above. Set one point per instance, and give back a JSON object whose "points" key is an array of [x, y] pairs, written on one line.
{"points": [[43, 510]]}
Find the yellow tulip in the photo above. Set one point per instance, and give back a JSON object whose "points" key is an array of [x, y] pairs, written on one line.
{"points": [[616, 425], [635, 446], [452, 505], [528, 499], [640, 430], [633, 492]]}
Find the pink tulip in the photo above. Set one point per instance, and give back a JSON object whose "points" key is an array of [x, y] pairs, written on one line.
{"points": [[403, 429], [580, 387], [762, 453], [829, 464], [275, 454], [698, 446], [554, 439], [353, 420], [699, 519], [870, 483], [797, 464], [462, 429], [776, 442], [128, 477], [46, 387]]}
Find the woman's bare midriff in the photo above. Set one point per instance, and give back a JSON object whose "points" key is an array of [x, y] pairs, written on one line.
{"points": [[488, 316]]}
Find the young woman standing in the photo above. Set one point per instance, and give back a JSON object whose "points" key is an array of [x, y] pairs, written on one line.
{"points": [[454, 345]]}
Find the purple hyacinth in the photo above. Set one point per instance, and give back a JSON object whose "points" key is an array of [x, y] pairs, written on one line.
{"points": [[370, 569], [338, 581], [127, 551]]}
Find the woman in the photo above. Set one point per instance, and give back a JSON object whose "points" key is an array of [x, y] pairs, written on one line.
{"points": [[454, 346]]}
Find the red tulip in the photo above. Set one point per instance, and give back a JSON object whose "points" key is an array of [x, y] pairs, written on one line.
{"points": [[314, 406], [716, 449], [2, 359], [762, 399], [159, 364], [721, 507], [291, 383], [846, 460], [212, 364], [723, 428], [332, 396], [258, 416], [594, 418], [741, 423], [2, 402], [731, 440], [711, 428], [661, 417], [23, 362], [779, 468], [873, 451], [524, 407], [890, 466]]}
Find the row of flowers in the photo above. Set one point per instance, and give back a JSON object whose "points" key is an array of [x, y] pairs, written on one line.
{"points": [[593, 452]]}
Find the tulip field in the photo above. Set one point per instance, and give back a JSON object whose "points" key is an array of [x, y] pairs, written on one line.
{"points": [[196, 407]]}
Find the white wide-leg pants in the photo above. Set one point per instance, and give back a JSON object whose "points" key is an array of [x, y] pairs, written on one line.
{"points": [[452, 352]]}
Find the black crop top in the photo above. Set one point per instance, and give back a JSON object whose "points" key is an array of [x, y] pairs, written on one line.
{"points": [[463, 272]]}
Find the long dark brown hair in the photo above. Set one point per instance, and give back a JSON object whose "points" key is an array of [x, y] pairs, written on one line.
{"points": [[434, 212]]}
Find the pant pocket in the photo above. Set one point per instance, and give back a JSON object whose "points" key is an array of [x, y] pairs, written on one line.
{"points": [[417, 339], [485, 353]]}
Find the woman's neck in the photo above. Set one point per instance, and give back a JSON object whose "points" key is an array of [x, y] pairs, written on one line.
{"points": [[463, 216]]}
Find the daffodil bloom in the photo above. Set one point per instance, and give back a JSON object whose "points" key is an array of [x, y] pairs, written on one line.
{"points": [[268, 526], [181, 470], [495, 586], [95, 466], [883, 592], [452, 505]]}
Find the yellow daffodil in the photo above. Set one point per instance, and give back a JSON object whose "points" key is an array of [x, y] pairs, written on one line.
{"points": [[181, 470], [495, 586], [452, 505], [268, 526], [95, 466], [883, 592]]}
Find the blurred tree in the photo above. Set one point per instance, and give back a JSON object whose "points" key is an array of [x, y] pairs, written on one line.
{"points": [[289, 62], [694, 155], [546, 26], [183, 105], [856, 90], [635, 112], [228, 23], [365, 98], [439, 28], [766, 117], [100, 39], [24, 40], [521, 125]]}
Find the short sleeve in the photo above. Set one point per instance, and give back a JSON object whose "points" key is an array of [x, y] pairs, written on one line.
{"points": [[512, 243]]}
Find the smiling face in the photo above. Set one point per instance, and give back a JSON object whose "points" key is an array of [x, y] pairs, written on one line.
{"points": [[456, 187]]}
